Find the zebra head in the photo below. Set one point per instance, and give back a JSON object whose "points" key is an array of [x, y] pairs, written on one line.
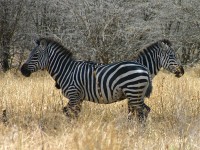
{"points": [[37, 59], [168, 58]]}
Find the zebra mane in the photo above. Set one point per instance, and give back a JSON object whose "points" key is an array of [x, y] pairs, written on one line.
{"points": [[52, 41], [150, 46]]}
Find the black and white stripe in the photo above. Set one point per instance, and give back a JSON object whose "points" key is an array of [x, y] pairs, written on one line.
{"points": [[160, 55], [81, 80]]}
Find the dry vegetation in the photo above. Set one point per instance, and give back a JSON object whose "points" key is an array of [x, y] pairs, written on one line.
{"points": [[35, 121], [99, 30]]}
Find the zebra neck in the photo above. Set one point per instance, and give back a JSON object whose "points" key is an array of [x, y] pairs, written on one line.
{"points": [[59, 65], [151, 60]]}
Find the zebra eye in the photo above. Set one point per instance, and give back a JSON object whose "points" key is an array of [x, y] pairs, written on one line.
{"points": [[172, 55], [35, 54]]}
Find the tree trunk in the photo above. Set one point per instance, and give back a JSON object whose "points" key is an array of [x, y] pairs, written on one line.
{"points": [[5, 62], [9, 18]]}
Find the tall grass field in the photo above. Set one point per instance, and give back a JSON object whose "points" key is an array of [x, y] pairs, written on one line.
{"points": [[31, 117]]}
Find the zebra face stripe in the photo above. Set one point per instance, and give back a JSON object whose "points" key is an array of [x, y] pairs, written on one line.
{"points": [[171, 63], [36, 60]]}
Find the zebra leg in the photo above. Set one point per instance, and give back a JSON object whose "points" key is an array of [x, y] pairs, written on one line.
{"points": [[133, 110], [72, 110], [139, 111], [142, 112]]}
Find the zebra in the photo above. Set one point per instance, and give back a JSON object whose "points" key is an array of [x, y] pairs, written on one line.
{"points": [[159, 55], [98, 83]]}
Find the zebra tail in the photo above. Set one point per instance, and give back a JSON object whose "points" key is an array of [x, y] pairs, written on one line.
{"points": [[149, 89]]}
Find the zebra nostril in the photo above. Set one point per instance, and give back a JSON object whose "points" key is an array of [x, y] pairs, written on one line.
{"points": [[25, 71]]}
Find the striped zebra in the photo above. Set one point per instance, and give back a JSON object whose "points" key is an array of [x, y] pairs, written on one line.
{"points": [[160, 55], [82, 80]]}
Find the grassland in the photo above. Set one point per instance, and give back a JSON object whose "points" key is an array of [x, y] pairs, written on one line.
{"points": [[34, 118]]}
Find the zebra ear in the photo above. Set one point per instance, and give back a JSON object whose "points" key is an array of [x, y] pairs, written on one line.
{"points": [[43, 43], [37, 42], [164, 46]]}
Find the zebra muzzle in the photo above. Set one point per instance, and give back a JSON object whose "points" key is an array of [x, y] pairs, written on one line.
{"points": [[25, 71], [179, 72]]}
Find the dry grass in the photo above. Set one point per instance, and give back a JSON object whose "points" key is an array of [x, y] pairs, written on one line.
{"points": [[35, 121]]}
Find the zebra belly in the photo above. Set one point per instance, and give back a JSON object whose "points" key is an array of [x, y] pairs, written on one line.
{"points": [[97, 95], [113, 96], [116, 95]]}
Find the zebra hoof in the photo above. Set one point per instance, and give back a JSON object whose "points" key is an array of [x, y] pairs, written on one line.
{"points": [[147, 108], [146, 111], [132, 115]]}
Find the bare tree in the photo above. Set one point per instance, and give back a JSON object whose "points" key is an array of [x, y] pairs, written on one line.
{"points": [[10, 13]]}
